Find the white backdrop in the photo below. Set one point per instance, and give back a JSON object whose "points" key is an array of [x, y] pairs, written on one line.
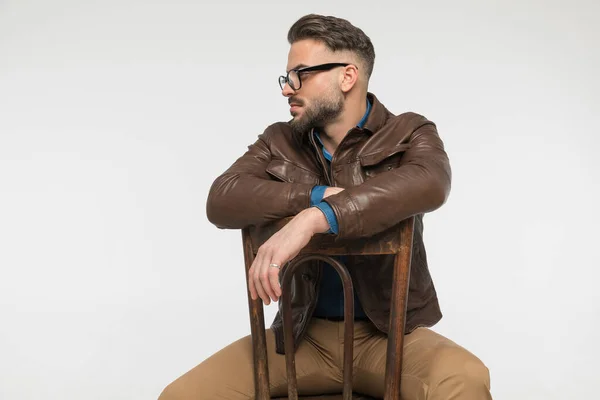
{"points": [[116, 116]]}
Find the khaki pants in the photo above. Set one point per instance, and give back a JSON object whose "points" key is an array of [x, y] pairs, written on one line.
{"points": [[434, 367]]}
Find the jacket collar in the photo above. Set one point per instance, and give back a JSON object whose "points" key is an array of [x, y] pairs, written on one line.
{"points": [[378, 116]]}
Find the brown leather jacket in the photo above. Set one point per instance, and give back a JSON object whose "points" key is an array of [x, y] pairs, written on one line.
{"points": [[393, 168]]}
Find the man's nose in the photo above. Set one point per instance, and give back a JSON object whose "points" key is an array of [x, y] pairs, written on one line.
{"points": [[287, 90]]}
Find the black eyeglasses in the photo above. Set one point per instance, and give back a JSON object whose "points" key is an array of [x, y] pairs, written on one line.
{"points": [[293, 76]]}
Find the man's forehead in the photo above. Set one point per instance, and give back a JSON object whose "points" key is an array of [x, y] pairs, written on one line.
{"points": [[305, 53]]}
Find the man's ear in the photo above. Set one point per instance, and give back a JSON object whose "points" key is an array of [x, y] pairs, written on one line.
{"points": [[349, 78]]}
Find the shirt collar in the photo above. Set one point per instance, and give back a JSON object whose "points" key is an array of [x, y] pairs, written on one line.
{"points": [[361, 123]]}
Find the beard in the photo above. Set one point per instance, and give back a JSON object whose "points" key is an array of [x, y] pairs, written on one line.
{"points": [[321, 112]]}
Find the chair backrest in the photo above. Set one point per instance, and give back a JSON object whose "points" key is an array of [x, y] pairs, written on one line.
{"points": [[397, 240]]}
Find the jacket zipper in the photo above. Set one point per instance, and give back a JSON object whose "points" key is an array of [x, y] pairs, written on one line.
{"points": [[321, 158], [328, 171]]}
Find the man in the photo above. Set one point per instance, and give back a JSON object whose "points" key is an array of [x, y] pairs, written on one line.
{"points": [[344, 165]]}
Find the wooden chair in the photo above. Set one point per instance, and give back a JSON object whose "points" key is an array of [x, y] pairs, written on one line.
{"points": [[397, 240]]}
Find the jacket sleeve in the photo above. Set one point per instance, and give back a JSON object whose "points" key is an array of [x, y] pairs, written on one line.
{"points": [[245, 194], [420, 184]]}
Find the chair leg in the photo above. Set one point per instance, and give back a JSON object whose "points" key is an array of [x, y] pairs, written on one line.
{"points": [[395, 345], [257, 330]]}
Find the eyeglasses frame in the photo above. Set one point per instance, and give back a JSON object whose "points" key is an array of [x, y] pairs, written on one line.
{"points": [[285, 79]]}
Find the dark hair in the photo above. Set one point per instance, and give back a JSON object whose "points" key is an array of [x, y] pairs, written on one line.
{"points": [[336, 34]]}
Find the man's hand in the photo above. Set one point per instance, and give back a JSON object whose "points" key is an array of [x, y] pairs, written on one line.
{"points": [[331, 190], [284, 245]]}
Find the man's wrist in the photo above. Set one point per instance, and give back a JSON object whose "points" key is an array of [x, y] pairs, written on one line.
{"points": [[318, 221]]}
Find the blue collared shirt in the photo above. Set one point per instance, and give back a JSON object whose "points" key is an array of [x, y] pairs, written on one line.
{"points": [[330, 301]]}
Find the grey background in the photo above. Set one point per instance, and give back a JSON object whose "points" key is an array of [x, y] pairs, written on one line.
{"points": [[116, 116]]}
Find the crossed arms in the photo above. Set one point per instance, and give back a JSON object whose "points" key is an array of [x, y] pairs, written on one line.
{"points": [[246, 195]]}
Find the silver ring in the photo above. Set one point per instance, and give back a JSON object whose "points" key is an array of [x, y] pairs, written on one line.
{"points": [[274, 266]]}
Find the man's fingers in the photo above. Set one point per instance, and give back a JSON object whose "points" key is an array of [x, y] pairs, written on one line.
{"points": [[260, 290], [265, 278], [251, 287], [266, 283], [331, 190], [256, 266], [274, 281]]}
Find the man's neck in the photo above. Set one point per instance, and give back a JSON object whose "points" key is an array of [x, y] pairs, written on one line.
{"points": [[333, 134]]}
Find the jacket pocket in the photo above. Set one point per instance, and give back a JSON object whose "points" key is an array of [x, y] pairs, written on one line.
{"points": [[379, 161], [287, 171]]}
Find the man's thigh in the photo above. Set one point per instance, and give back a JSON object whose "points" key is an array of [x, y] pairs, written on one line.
{"points": [[228, 374], [433, 367]]}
